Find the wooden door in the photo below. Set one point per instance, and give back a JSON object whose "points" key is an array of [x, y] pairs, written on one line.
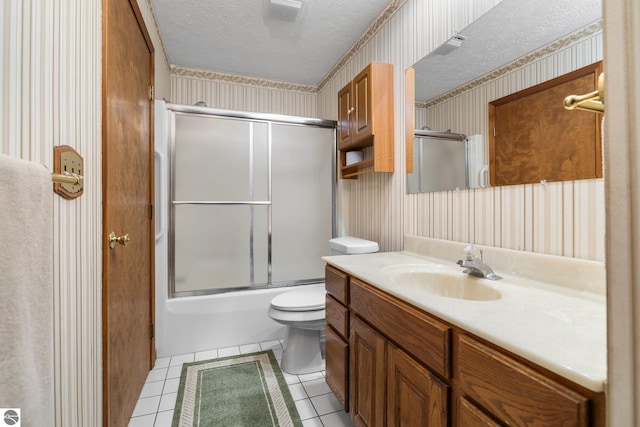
{"points": [[367, 375], [127, 169], [416, 397]]}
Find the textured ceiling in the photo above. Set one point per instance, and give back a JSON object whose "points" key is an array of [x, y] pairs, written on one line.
{"points": [[508, 31], [240, 37]]}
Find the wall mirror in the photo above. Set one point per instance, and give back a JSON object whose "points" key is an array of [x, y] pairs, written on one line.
{"points": [[515, 45]]}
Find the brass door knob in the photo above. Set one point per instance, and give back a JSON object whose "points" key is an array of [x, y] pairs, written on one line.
{"points": [[113, 239]]}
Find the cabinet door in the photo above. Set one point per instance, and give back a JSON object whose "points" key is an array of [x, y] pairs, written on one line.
{"points": [[337, 366], [416, 397], [345, 105], [469, 415], [367, 374], [362, 116]]}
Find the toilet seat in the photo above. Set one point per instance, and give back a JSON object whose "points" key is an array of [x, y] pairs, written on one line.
{"points": [[308, 299]]}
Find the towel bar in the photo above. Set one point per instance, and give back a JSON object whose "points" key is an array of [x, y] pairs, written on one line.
{"points": [[67, 178], [593, 101]]}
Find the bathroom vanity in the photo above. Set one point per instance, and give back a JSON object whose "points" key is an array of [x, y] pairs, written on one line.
{"points": [[403, 350]]}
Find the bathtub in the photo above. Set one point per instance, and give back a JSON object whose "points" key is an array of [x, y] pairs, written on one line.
{"points": [[190, 324]]}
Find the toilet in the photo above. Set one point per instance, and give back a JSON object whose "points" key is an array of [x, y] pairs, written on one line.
{"points": [[303, 312]]}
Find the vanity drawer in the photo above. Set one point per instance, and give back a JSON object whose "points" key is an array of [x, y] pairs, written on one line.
{"points": [[425, 338], [338, 317], [337, 284], [515, 393]]}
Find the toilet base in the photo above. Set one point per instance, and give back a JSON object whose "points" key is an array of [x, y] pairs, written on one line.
{"points": [[303, 352]]}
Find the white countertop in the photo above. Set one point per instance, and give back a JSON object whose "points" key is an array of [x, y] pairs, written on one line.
{"points": [[557, 327]]}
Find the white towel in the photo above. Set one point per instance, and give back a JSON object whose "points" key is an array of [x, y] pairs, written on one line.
{"points": [[26, 291]]}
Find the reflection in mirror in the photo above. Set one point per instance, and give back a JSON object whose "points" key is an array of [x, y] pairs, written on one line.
{"points": [[446, 160], [515, 45]]}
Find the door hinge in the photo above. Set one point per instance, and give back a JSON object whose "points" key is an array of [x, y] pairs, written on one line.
{"points": [[494, 132], [152, 92], [151, 211], [153, 330]]}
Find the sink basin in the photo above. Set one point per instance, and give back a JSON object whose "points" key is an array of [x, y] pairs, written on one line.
{"points": [[441, 281]]}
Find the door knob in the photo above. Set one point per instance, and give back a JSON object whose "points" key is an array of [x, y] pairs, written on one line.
{"points": [[113, 239]]}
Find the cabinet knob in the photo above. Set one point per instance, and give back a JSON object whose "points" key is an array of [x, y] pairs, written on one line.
{"points": [[351, 110]]}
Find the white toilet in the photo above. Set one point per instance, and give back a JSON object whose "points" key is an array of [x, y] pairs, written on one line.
{"points": [[303, 312]]}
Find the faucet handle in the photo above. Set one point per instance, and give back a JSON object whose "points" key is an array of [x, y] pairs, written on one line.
{"points": [[469, 252]]}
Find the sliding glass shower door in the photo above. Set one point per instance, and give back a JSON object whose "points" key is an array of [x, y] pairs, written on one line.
{"points": [[252, 202]]}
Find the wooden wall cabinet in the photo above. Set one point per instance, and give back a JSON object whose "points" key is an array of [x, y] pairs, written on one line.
{"points": [[404, 367], [365, 121]]}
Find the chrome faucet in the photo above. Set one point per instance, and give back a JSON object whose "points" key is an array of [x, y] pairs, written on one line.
{"points": [[475, 265]]}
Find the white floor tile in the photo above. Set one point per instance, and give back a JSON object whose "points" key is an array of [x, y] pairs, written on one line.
{"points": [[290, 378], [152, 389], [162, 362], [275, 344], [312, 422], [326, 404], [181, 358], [305, 409], [168, 402], [229, 351], [146, 406], [337, 419], [206, 355], [143, 421], [171, 385], [157, 375], [311, 377], [164, 419], [250, 348], [297, 391], [174, 372], [316, 387]]}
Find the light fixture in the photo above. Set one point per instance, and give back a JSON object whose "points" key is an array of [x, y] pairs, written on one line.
{"points": [[286, 10], [450, 45]]}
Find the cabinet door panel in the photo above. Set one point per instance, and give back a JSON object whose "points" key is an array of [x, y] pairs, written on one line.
{"points": [[344, 124], [367, 375], [362, 95], [469, 415], [416, 398], [515, 393], [337, 366], [337, 317]]}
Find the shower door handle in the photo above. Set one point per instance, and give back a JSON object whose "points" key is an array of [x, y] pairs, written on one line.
{"points": [[113, 240]]}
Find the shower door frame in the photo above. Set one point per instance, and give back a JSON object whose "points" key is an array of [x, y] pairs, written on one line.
{"points": [[269, 119]]}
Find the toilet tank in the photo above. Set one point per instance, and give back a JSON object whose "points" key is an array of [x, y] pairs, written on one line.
{"points": [[348, 245]]}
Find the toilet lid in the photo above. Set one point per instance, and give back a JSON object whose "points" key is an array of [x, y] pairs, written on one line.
{"points": [[307, 299]]}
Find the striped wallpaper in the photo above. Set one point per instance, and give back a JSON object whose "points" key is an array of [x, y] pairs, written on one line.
{"points": [[50, 92]]}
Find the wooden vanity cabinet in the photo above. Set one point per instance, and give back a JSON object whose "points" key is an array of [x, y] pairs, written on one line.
{"points": [[365, 120], [407, 368]]}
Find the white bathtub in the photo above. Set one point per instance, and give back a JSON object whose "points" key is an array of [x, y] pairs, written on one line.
{"points": [[190, 324]]}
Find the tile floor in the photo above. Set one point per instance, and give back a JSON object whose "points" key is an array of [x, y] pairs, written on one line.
{"points": [[315, 402]]}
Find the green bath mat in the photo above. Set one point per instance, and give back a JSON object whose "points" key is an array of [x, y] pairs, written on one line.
{"points": [[238, 391]]}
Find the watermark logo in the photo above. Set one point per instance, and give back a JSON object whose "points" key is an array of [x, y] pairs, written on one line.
{"points": [[10, 417]]}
